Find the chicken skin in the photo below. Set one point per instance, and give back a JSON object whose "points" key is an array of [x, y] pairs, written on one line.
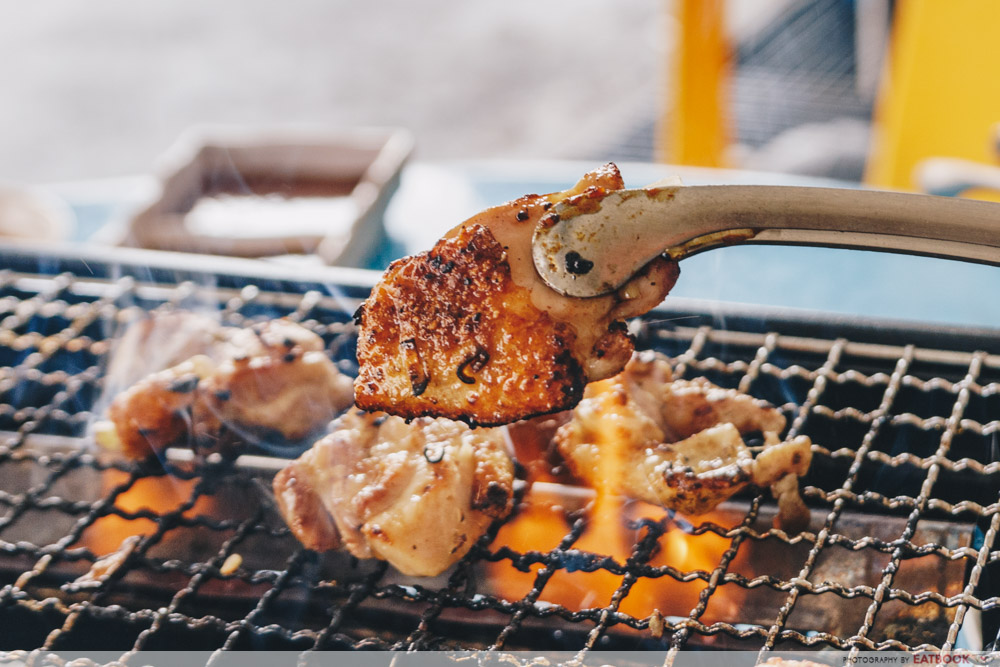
{"points": [[272, 382], [678, 444], [469, 331], [416, 494], [161, 340]]}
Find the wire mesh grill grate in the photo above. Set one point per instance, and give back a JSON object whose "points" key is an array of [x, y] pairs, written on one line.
{"points": [[903, 491]]}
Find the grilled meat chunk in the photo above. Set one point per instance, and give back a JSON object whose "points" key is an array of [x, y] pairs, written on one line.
{"points": [[416, 494], [271, 382], [469, 331], [160, 341], [677, 443]]}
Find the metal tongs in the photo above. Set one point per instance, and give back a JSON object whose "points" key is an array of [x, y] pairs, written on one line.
{"points": [[586, 246]]}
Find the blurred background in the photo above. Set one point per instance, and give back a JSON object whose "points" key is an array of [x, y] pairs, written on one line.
{"points": [[126, 122], [102, 89]]}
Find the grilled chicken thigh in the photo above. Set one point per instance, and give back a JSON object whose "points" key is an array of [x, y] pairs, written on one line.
{"points": [[270, 381], [469, 331], [416, 494], [677, 443]]}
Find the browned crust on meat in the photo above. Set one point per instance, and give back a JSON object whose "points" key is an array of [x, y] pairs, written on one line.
{"points": [[470, 331], [493, 497], [155, 412], [302, 508], [447, 333], [688, 482]]}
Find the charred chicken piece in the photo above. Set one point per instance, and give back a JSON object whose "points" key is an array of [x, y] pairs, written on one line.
{"points": [[678, 444], [469, 331], [416, 494], [271, 382]]}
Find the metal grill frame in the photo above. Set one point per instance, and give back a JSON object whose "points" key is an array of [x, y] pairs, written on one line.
{"points": [[97, 290]]}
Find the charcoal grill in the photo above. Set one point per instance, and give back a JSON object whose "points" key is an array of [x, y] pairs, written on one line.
{"points": [[904, 492]]}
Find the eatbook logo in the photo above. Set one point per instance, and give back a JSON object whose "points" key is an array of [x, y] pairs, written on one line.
{"points": [[917, 659], [942, 659]]}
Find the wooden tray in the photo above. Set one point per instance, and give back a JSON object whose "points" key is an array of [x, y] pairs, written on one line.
{"points": [[359, 166]]}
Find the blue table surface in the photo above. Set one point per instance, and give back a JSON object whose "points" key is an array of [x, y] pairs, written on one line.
{"points": [[432, 198]]}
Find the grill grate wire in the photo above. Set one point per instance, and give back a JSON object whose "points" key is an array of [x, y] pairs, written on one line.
{"points": [[57, 490]]}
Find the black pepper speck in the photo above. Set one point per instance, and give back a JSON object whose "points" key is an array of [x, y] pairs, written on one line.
{"points": [[577, 265]]}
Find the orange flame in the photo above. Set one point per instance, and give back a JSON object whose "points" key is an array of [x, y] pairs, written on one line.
{"points": [[540, 527], [542, 523], [159, 495]]}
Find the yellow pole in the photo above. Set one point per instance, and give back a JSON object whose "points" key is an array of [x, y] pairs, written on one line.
{"points": [[941, 93], [694, 129]]}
